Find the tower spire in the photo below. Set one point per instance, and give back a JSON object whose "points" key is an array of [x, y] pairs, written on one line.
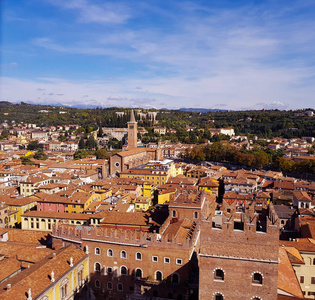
{"points": [[132, 116], [132, 132]]}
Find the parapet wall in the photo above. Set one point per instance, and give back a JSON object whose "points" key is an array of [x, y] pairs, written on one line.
{"points": [[125, 237], [241, 235]]}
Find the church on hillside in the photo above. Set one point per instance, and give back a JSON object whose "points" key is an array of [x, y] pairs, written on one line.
{"points": [[132, 156]]}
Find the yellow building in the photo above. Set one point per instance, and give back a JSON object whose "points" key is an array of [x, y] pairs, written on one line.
{"points": [[209, 185], [148, 189], [302, 256], [17, 207], [33, 182], [44, 220], [143, 203], [78, 202], [164, 195], [59, 275]]}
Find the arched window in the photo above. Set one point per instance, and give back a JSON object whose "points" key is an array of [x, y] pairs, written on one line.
{"points": [[123, 254], [97, 284], [256, 298], [158, 276], [313, 261], [219, 274], [175, 278], [97, 251], [109, 252], [97, 267], [109, 285], [257, 278], [138, 256], [123, 270], [174, 213], [119, 287], [139, 273], [195, 215], [218, 296]]}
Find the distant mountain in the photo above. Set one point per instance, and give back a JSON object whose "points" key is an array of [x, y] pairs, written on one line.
{"points": [[5, 103], [202, 110]]}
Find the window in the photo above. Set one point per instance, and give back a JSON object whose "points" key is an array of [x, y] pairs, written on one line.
{"points": [[109, 285], [80, 275], [109, 270], [219, 274], [257, 278], [312, 280], [167, 260], [139, 273], [178, 261], [256, 298], [158, 276], [123, 270], [123, 254], [195, 215], [218, 296], [64, 288], [119, 287], [97, 251], [313, 261], [138, 256], [97, 284], [109, 252], [301, 279], [174, 213], [97, 267], [175, 278], [155, 259]]}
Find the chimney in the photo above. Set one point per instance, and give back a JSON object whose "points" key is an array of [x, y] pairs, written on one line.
{"points": [[52, 279], [71, 262]]}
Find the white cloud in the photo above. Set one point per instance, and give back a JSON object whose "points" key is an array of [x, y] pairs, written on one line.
{"points": [[107, 12]]}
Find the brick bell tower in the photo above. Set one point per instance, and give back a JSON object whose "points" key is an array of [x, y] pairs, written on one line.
{"points": [[132, 132]]}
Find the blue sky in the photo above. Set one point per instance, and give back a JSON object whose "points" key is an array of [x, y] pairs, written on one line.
{"points": [[210, 54]]}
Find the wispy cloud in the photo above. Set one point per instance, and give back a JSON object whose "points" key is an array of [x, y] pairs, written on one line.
{"points": [[89, 12], [248, 55]]}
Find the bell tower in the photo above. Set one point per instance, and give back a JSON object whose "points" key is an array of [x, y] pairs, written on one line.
{"points": [[132, 132]]}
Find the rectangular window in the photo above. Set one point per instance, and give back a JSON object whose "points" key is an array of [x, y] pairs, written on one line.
{"points": [[312, 280], [301, 279], [155, 259], [178, 261], [167, 260]]}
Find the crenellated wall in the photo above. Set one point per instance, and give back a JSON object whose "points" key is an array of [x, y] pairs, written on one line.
{"points": [[240, 244]]}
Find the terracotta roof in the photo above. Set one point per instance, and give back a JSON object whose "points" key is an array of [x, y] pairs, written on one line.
{"points": [[303, 244], [128, 218], [8, 266], [294, 255], [131, 152], [23, 252], [287, 280], [37, 277], [28, 236]]}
